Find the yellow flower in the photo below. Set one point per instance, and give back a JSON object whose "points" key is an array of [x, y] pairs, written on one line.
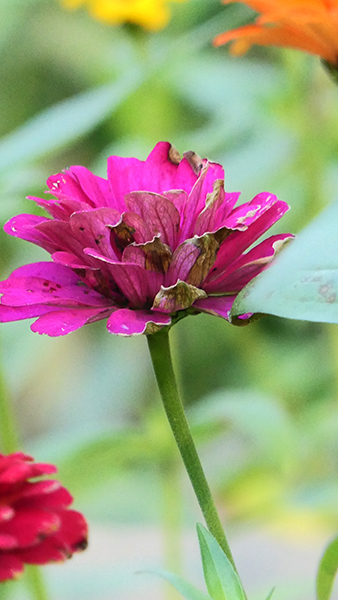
{"points": [[151, 14]]}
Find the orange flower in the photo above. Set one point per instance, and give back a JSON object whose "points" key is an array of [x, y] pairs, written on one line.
{"points": [[308, 25]]}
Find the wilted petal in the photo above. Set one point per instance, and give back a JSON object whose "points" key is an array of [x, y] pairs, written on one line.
{"points": [[243, 216], [206, 219], [131, 279], [158, 212], [136, 322], [152, 256], [177, 297]]}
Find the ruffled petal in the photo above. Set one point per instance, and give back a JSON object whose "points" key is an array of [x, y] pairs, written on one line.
{"points": [[160, 214]]}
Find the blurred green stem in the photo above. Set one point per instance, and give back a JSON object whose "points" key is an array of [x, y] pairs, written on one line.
{"points": [[8, 433], [10, 443], [35, 583], [162, 363]]}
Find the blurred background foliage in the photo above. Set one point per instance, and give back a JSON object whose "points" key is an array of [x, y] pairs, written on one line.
{"points": [[262, 400]]}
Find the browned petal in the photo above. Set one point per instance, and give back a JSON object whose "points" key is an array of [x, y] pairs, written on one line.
{"points": [[121, 236], [174, 156], [208, 246], [195, 161], [157, 255], [177, 297]]}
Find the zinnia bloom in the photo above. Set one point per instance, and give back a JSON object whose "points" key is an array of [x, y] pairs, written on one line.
{"points": [[36, 527], [150, 14], [308, 25], [158, 238]]}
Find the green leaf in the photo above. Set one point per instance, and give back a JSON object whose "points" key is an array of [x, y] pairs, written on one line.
{"points": [[270, 595], [221, 579], [188, 591], [327, 570], [303, 281], [64, 122]]}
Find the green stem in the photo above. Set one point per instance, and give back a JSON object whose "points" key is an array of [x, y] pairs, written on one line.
{"points": [[9, 440], [36, 583], [8, 433], [162, 363]]}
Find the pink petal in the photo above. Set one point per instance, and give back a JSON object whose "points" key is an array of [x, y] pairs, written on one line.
{"points": [[95, 188], [179, 199], [24, 227], [182, 262], [206, 219], [25, 291], [130, 278], [67, 186], [90, 229], [135, 322], [62, 322], [157, 174], [219, 306], [18, 313], [48, 270], [248, 265], [246, 214], [60, 237], [70, 260], [238, 241]]}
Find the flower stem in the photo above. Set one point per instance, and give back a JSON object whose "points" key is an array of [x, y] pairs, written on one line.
{"points": [[36, 583], [161, 358], [8, 434], [9, 441]]}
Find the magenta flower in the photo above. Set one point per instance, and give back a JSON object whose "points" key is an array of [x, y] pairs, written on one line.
{"points": [[36, 525], [156, 239]]}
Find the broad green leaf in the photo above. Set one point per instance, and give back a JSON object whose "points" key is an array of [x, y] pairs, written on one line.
{"points": [[188, 591], [303, 281], [221, 579], [327, 570], [64, 122]]}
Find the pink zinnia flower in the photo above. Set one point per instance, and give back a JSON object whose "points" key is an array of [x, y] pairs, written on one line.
{"points": [[156, 239], [36, 527]]}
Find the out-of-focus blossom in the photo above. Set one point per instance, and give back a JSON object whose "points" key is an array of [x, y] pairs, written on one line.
{"points": [[156, 239], [150, 14], [308, 25], [36, 526]]}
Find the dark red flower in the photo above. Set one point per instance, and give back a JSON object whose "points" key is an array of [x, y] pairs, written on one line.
{"points": [[36, 526]]}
